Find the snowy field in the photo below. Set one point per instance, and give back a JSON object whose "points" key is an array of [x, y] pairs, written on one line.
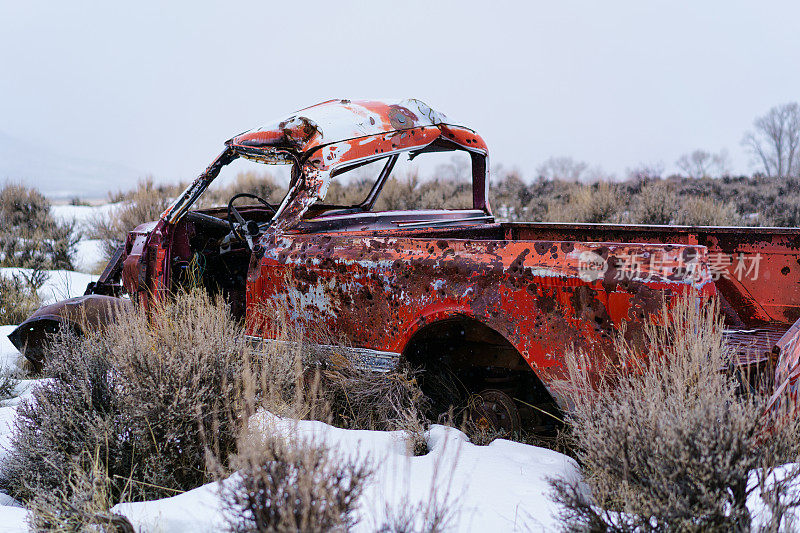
{"points": [[500, 487], [495, 488]]}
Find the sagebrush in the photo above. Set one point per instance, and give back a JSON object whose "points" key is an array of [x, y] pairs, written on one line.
{"points": [[288, 485], [141, 392], [29, 235], [670, 442]]}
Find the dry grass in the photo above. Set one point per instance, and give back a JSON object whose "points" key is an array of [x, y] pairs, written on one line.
{"points": [[140, 392], [85, 507], [406, 191], [414, 427], [706, 212], [143, 204], [362, 399], [30, 237], [18, 298], [667, 444], [599, 202], [655, 204]]}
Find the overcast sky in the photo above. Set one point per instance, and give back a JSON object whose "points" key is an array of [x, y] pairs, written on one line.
{"points": [[615, 84]]}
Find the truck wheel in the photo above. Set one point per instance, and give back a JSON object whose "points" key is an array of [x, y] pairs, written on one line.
{"points": [[494, 409]]}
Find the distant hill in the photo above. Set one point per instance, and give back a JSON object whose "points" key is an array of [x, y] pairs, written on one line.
{"points": [[58, 175]]}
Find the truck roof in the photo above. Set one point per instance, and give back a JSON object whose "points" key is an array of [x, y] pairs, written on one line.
{"points": [[340, 120], [339, 134]]}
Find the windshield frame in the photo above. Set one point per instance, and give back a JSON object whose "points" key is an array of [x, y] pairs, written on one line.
{"points": [[314, 169]]}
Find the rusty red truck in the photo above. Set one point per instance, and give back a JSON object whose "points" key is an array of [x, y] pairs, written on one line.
{"points": [[495, 304]]}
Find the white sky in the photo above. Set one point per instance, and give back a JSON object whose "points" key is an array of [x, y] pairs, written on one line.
{"points": [[160, 88]]}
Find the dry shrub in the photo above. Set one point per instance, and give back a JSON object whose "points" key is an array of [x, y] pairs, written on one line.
{"points": [[289, 485], [706, 212], [84, 507], [261, 184], [667, 444], [9, 377], [141, 393], [18, 297], [143, 204], [153, 400], [414, 428], [363, 399], [30, 237], [71, 415], [656, 203], [176, 372], [312, 373], [599, 202]]}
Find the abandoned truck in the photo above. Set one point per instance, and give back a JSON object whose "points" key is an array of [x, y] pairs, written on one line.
{"points": [[497, 305]]}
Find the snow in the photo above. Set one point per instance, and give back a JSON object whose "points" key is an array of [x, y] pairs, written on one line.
{"points": [[8, 354], [761, 515], [60, 284], [500, 487], [89, 255], [83, 215], [13, 519], [89, 252], [195, 511]]}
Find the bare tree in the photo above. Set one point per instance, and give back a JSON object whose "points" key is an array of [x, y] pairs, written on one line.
{"points": [[562, 168], [775, 143], [646, 171], [702, 164]]}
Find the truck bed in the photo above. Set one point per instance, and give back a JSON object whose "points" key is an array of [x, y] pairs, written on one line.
{"points": [[756, 270]]}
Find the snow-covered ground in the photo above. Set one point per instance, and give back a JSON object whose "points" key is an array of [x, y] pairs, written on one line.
{"points": [[60, 284], [500, 487], [89, 254], [497, 488], [83, 215]]}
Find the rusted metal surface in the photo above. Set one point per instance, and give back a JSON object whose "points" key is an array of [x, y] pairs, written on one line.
{"points": [[787, 374], [332, 135], [379, 279], [544, 297], [31, 337]]}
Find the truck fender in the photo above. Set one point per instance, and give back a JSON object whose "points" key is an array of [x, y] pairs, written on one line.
{"points": [[425, 318], [31, 337]]}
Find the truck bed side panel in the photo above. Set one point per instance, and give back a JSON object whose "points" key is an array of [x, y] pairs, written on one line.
{"points": [[543, 297]]}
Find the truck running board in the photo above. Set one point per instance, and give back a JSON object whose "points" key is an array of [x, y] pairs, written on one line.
{"points": [[363, 358]]}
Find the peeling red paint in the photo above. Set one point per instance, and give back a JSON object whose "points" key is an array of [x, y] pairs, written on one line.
{"points": [[380, 278]]}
